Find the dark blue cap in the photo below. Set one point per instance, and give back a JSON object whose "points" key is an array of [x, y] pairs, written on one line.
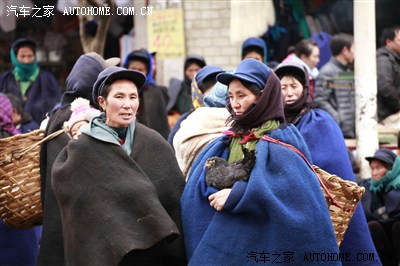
{"points": [[249, 70], [108, 75], [254, 41], [384, 155], [141, 55], [21, 42], [206, 72]]}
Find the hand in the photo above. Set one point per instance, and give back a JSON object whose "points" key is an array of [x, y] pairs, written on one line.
{"points": [[218, 199]]}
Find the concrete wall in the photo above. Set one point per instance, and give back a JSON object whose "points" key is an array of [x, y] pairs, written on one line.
{"points": [[207, 29], [207, 32]]}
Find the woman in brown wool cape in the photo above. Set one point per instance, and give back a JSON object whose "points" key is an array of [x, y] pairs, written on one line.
{"points": [[119, 185]]}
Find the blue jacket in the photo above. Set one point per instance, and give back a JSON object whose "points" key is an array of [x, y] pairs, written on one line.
{"points": [[43, 94]]}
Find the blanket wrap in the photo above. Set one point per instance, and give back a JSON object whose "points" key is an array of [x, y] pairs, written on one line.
{"points": [[280, 210], [112, 204], [328, 150]]}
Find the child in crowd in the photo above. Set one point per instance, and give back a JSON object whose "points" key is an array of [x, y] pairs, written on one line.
{"points": [[23, 121], [81, 115]]}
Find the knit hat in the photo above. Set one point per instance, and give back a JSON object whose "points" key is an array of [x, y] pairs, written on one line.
{"points": [[249, 70], [81, 111], [111, 74], [384, 155]]}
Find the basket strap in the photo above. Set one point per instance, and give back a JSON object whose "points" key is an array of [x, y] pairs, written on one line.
{"points": [[291, 147], [18, 154]]}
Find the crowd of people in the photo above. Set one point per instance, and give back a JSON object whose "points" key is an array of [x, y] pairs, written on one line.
{"points": [[193, 173]]}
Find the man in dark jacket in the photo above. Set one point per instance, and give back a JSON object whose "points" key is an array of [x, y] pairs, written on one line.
{"points": [[388, 71], [334, 89]]}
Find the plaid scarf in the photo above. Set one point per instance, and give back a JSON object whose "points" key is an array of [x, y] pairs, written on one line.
{"points": [[6, 111]]}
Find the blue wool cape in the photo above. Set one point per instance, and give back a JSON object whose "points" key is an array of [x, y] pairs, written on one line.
{"points": [[279, 214], [328, 151]]}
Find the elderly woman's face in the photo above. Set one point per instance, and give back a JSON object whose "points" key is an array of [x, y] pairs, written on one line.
{"points": [[291, 89], [378, 169], [240, 97], [121, 103]]}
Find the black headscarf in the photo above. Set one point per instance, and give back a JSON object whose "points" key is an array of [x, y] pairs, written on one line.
{"points": [[269, 106], [80, 80]]}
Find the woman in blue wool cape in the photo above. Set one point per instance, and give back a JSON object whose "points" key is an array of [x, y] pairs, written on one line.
{"points": [[327, 147], [278, 212]]}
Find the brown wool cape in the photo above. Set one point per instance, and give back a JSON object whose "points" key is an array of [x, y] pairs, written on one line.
{"points": [[112, 203]]}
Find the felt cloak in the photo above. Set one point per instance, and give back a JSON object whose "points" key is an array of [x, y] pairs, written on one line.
{"points": [[328, 151], [280, 210], [112, 204], [79, 84]]}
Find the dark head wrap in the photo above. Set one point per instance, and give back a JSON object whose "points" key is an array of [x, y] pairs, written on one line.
{"points": [[24, 71], [146, 58], [192, 59], [255, 44], [268, 107], [304, 102], [83, 75]]}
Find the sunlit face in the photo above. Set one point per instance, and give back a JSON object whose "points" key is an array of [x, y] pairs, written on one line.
{"points": [[75, 130], [291, 89], [25, 55], [394, 45], [192, 70], [121, 103], [312, 60], [240, 97], [254, 55], [138, 66], [378, 169]]}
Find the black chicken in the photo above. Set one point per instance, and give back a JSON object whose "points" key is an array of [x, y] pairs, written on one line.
{"points": [[221, 174]]}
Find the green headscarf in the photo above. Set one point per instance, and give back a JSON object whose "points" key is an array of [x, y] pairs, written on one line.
{"points": [[23, 71], [390, 181]]}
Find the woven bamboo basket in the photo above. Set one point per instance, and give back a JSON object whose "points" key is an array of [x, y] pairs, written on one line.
{"points": [[342, 200], [20, 200]]}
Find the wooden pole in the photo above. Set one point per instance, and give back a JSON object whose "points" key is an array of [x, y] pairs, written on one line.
{"points": [[365, 82]]}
